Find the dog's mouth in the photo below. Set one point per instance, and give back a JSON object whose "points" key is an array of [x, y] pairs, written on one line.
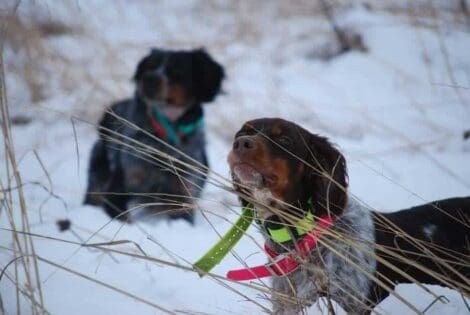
{"points": [[172, 112], [248, 175], [170, 103]]}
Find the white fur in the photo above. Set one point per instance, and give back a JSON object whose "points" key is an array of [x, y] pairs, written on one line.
{"points": [[328, 271], [263, 198], [429, 230]]}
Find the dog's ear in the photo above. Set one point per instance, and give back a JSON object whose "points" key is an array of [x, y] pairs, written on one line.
{"points": [[207, 76], [326, 176], [145, 63]]}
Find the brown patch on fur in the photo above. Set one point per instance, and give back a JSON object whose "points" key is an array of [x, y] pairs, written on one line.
{"points": [[256, 156], [322, 179], [279, 190], [177, 95], [276, 130]]}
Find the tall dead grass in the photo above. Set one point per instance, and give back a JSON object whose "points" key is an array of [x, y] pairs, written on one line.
{"points": [[27, 278], [23, 270]]}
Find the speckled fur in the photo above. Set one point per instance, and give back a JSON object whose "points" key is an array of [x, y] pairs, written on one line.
{"points": [[326, 273], [138, 173], [344, 268], [126, 167]]}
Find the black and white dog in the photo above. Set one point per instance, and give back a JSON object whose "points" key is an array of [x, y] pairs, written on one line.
{"points": [[291, 175], [165, 115]]}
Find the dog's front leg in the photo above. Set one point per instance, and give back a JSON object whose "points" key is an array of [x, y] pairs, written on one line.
{"points": [[293, 293], [98, 174]]}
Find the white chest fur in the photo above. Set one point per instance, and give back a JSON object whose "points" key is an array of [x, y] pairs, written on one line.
{"points": [[341, 265], [263, 199]]}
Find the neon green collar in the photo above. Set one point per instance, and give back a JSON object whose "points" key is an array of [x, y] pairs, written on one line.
{"points": [[284, 234], [302, 227]]}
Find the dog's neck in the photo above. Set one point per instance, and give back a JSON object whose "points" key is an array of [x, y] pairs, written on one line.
{"points": [[192, 114], [173, 132], [192, 111], [281, 222], [332, 266], [264, 201], [268, 220]]}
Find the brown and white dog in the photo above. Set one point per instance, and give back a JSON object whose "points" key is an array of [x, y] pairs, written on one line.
{"points": [[287, 172]]}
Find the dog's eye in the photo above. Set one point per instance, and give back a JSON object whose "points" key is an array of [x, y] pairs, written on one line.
{"points": [[285, 141]]}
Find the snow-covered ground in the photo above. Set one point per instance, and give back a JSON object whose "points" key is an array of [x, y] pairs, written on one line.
{"points": [[398, 112]]}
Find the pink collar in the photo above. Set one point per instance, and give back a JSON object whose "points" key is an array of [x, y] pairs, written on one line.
{"points": [[285, 263]]}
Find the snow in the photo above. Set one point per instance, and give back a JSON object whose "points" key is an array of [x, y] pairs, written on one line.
{"points": [[394, 111]]}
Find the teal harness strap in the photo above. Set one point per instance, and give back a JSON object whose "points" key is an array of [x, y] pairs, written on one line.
{"points": [[187, 129], [215, 255], [174, 134], [171, 134]]}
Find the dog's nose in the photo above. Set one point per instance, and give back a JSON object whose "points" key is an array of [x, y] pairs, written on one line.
{"points": [[244, 144]]}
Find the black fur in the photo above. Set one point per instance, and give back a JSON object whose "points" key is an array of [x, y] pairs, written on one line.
{"points": [[277, 156], [121, 177], [323, 178], [443, 226]]}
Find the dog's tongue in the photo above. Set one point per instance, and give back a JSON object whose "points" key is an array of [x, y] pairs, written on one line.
{"points": [[247, 175]]}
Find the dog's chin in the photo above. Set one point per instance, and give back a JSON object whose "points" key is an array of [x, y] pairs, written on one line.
{"points": [[247, 176], [171, 112]]}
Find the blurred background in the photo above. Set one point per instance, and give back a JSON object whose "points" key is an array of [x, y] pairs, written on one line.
{"points": [[387, 81]]}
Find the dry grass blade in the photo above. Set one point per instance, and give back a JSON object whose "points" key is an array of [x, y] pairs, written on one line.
{"points": [[445, 54], [150, 259], [2, 308], [161, 157], [119, 242], [22, 268], [49, 187], [421, 246], [106, 285], [189, 162], [26, 245], [24, 292]]}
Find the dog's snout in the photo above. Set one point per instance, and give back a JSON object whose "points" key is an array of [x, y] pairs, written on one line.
{"points": [[244, 144]]}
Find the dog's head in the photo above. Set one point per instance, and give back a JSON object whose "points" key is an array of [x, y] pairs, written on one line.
{"points": [[175, 80], [278, 163]]}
